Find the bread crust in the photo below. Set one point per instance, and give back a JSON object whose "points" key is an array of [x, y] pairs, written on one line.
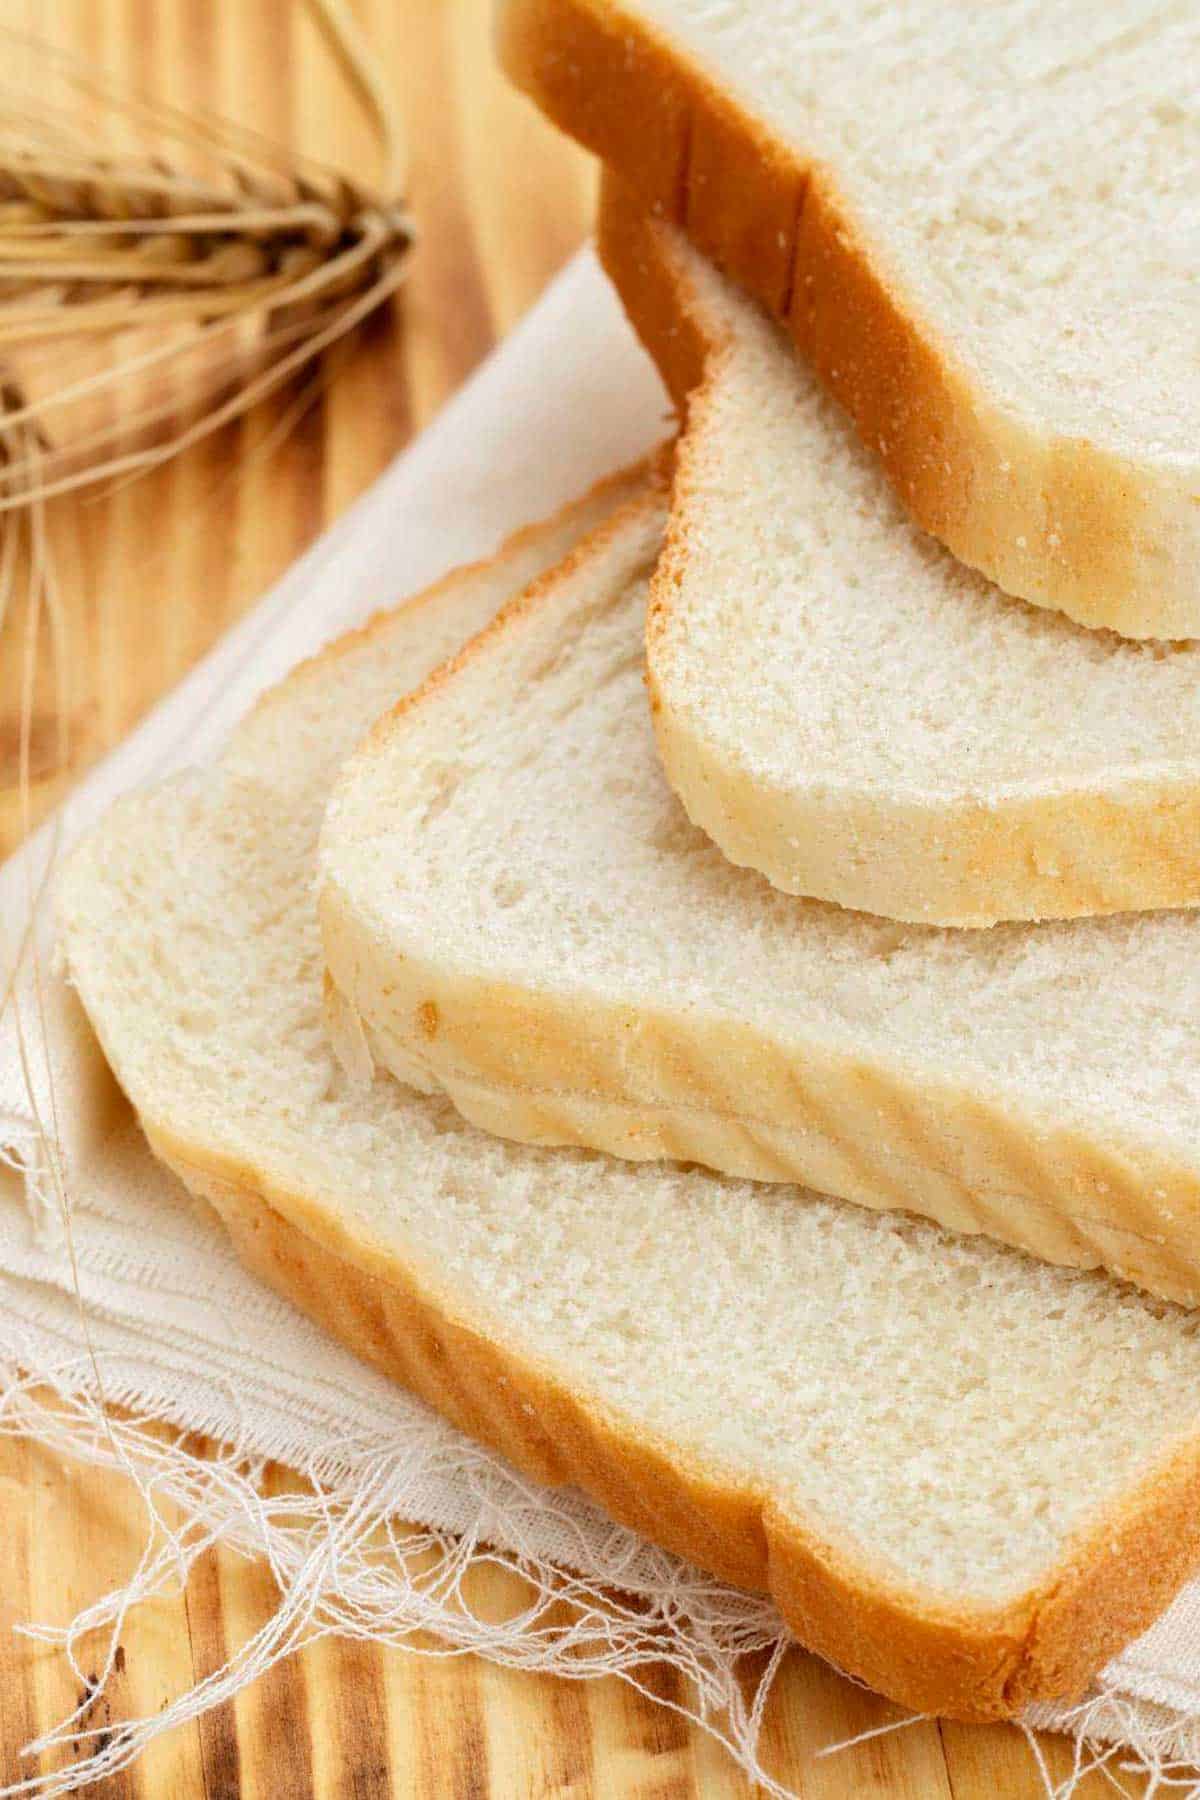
{"points": [[1060, 521], [1059, 852], [1116, 1575]]}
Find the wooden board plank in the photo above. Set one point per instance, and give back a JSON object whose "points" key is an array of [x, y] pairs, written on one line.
{"points": [[149, 578]]}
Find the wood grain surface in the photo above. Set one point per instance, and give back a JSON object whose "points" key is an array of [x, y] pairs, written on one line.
{"points": [[149, 577]]}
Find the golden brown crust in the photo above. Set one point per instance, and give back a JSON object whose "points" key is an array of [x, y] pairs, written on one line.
{"points": [[973, 1664], [1122, 846], [1059, 521]]}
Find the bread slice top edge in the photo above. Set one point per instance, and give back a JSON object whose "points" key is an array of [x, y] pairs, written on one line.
{"points": [[503, 1284], [1066, 514], [845, 708]]}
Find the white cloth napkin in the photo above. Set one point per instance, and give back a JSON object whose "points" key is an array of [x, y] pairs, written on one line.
{"points": [[134, 1302]]}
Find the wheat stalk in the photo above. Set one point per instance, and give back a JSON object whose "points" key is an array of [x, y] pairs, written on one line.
{"points": [[213, 246]]}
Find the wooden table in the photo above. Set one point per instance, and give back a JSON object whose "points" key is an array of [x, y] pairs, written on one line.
{"points": [[150, 577]]}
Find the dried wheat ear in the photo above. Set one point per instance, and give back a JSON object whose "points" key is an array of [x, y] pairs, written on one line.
{"points": [[138, 242]]}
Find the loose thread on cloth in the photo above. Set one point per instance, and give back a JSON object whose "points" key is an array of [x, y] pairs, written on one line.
{"points": [[344, 1566]]}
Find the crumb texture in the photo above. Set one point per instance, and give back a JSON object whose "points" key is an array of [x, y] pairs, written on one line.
{"points": [[945, 1408], [821, 638], [1019, 169]]}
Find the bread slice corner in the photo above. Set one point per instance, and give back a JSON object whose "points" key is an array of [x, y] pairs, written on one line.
{"points": [[975, 234], [842, 705]]}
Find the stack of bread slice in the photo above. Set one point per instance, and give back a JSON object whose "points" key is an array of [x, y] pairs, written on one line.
{"points": [[729, 1034]]}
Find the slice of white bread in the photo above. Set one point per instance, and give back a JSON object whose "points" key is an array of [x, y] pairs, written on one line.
{"points": [[842, 705], [516, 908], [973, 219], [966, 1476]]}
